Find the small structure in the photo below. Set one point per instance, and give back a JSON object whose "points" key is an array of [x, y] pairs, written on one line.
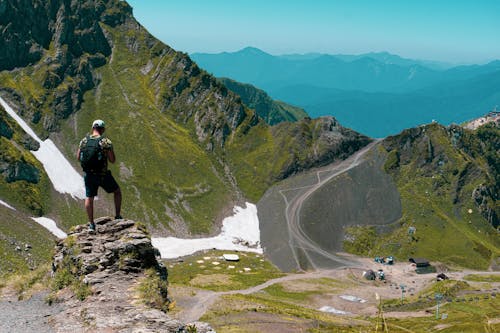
{"points": [[231, 257], [385, 260], [441, 277], [420, 262], [369, 275]]}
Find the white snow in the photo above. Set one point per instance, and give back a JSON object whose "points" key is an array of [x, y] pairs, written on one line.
{"points": [[351, 298], [61, 173], [330, 309], [240, 232], [51, 226], [6, 205]]}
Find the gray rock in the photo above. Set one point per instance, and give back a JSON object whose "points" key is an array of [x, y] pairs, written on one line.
{"points": [[111, 261]]}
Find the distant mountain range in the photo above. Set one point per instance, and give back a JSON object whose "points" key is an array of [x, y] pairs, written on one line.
{"points": [[376, 93]]}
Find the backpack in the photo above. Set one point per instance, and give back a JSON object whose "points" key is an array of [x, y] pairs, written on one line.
{"points": [[92, 157]]}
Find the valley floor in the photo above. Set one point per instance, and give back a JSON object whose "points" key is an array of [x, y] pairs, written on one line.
{"points": [[301, 302]]}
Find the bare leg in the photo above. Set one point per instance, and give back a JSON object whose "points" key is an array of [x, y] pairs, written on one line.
{"points": [[118, 201], [89, 207]]}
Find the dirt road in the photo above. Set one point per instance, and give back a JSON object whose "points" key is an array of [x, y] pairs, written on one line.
{"points": [[200, 302], [298, 239]]}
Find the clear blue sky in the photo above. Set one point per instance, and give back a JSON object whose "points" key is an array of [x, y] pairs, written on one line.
{"points": [[461, 31]]}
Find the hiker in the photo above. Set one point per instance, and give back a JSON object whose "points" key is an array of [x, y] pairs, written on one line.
{"points": [[93, 153]]}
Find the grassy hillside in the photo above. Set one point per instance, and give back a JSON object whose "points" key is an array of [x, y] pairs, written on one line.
{"points": [[448, 193], [16, 232], [273, 112]]}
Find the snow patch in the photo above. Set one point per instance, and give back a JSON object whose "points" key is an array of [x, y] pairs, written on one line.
{"points": [[63, 176], [6, 205], [51, 226], [351, 298], [330, 309], [240, 232]]}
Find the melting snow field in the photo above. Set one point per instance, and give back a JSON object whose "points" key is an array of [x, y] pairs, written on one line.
{"points": [[330, 309], [51, 226], [45, 222], [61, 173], [6, 205], [351, 298], [240, 232]]}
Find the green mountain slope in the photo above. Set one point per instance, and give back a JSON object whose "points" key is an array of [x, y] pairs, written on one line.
{"points": [[271, 111], [23, 243], [448, 182], [187, 148]]}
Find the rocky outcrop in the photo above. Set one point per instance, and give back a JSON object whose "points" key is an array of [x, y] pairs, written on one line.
{"points": [[108, 267], [317, 142]]}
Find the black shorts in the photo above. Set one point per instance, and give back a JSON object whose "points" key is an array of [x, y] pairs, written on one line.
{"points": [[93, 181]]}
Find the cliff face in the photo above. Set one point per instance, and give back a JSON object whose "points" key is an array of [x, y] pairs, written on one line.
{"points": [[111, 280], [64, 42]]}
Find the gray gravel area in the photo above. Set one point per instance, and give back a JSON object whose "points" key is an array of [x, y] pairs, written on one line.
{"points": [[302, 220], [30, 315]]}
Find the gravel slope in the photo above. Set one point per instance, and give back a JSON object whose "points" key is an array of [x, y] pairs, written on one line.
{"points": [[32, 315]]}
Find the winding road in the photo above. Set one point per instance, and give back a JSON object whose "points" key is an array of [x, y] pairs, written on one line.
{"points": [[298, 239]]}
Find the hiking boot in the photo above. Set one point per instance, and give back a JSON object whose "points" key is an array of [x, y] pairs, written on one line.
{"points": [[118, 217], [92, 226]]}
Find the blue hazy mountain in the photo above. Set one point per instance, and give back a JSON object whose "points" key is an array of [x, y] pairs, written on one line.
{"points": [[375, 93]]}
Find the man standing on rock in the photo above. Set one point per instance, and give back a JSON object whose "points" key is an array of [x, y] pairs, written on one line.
{"points": [[93, 153]]}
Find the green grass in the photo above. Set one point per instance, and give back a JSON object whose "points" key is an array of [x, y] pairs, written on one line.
{"points": [[16, 231], [152, 291], [25, 283], [482, 278], [230, 305], [220, 277], [469, 316]]}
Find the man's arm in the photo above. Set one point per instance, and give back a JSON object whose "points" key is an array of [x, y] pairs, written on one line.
{"points": [[78, 154], [111, 156]]}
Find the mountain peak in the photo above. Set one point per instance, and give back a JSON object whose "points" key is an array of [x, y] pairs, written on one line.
{"points": [[252, 51]]}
